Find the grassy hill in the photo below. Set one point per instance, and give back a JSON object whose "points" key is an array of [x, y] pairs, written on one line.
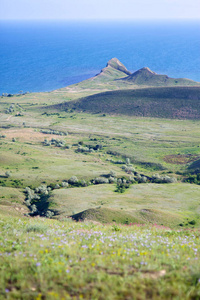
{"points": [[143, 216], [162, 102], [147, 77]]}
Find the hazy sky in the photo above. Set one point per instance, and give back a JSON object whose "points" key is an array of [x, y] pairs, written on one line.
{"points": [[99, 9]]}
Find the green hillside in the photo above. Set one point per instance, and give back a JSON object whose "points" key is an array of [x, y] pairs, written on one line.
{"points": [[147, 77], [163, 102], [143, 216]]}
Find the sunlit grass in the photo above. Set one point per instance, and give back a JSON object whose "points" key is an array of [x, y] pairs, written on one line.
{"points": [[47, 259]]}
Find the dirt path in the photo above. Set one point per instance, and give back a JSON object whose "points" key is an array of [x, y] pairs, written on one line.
{"points": [[9, 117]]}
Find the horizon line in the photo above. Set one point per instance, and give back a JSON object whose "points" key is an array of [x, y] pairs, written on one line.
{"points": [[103, 19]]}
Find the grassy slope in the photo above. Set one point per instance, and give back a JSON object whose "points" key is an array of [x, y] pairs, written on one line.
{"points": [[140, 139], [47, 259], [172, 102], [169, 205], [146, 77]]}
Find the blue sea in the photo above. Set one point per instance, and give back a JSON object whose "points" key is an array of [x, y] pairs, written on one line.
{"points": [[44, 56]]}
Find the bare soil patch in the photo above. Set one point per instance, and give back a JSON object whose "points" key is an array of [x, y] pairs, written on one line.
{"points": [[26, 134], [181, 159]]}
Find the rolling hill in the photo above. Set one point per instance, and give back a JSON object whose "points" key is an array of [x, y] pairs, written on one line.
{"points": [[159, 102], [147, 77]]}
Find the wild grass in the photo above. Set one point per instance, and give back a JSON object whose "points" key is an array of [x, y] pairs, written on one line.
{"points": [[93, 261], [169, 205]]}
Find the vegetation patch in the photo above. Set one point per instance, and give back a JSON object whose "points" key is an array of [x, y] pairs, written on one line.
{"points": [[181, 159], [105, 215], [47, 259], [171, 102], [195, 165]]}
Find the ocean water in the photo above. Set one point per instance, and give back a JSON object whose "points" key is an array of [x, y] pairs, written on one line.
{"points": [[43, 56]]}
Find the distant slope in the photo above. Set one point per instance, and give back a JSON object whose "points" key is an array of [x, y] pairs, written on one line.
{"points": [[115, 76], [143, 216], [113, 70], [147, 77], [162, 102], [117, 65], [194, 165], [105, 215]]}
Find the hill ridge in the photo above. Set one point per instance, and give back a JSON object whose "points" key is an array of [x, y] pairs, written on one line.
{"points": [[115, 71], [114, 64], [147, 77]]}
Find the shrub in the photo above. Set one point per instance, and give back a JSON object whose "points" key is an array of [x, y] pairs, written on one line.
{"points": [[11, 108], [112, 174], [83, 183], [31, 195], [55, 132], [121, 187], [128, 169], [73, 180], [98, 147], [119, 162], [7, 174], [84, 149], [138, 177], [100, 180], [42, 189], [143, 179], [156, 178], [195, 178], [49, 214], [55, 142], [193, 222], [112, 179], [166, 179], [65, 184], [33, 209], [57, 186]]}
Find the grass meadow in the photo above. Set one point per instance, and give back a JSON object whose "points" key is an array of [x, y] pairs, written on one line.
{"points": [[139, 242], [49, 259]]}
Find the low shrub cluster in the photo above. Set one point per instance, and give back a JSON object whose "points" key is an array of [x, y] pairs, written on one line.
{"points": [[193, 178], [100, 180], [8, 174], [55, 132], [88, 148], [36, 197], [84, 149], [55, 142], [129, 169], [156, 178], [50, 114], [121, 187], [11, 109]]}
